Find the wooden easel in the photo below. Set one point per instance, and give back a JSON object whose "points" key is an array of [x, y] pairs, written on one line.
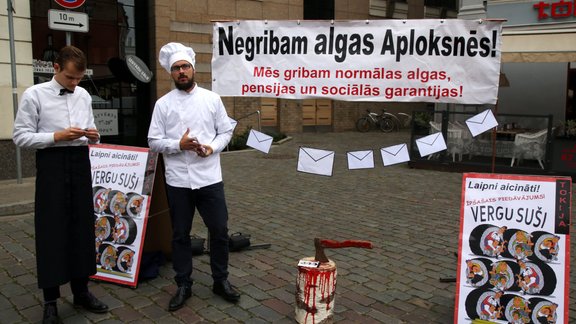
{"points": [[158, 228]]}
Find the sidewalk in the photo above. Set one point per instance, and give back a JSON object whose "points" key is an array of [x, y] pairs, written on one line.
{"points": [[410, 215], [16, 198]]}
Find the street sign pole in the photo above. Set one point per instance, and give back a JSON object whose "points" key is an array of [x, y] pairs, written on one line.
{"points": [[14, 85]]}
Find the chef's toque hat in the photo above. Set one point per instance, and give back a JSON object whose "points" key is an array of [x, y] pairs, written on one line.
{"points": [[173, 52]]}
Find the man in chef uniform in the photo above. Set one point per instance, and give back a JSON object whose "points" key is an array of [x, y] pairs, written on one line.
{"points": [[190, 127]]}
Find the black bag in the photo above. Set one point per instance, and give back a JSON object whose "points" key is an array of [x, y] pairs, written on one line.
{"points": [[238, 241], [150, 263], [197, 245]]}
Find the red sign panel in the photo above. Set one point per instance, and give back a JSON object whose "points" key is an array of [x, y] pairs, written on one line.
{"points": [[70, 4]]}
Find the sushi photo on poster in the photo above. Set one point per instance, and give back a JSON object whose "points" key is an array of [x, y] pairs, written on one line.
{"points": [[514, 249], [122, 178]]}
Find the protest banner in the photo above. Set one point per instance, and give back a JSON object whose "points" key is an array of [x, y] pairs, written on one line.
{"points": [[122, 181], [514, 251], [429, 60]]}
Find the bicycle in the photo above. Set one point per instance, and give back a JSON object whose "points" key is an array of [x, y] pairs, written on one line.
{"points": [[404, 120], [383, 121], [400, 120]]}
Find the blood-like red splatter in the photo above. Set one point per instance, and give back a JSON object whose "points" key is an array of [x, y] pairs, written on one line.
{"points": [[316, 281]]}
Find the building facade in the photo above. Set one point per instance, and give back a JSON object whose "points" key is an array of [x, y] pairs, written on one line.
{"points": [[119, 29], [539, 57]]}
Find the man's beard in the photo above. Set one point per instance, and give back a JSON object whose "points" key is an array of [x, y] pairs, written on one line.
{"points": [[184, 86]]}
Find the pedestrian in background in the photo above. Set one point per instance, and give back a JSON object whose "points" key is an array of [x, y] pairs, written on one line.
{"points": [[190, 127], [56, 118]]}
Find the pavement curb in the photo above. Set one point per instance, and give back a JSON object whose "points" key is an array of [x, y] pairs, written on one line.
{"points": [[19, 208]]}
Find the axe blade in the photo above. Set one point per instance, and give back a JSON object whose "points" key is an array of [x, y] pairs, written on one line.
{"points": [[320, 244]]}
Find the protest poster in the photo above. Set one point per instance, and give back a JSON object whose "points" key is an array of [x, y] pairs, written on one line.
{"points": [[514, 250], [418, 60], [122, 182]]}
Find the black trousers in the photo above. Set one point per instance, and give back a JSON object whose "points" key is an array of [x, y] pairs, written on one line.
{"points": [[211, 205], [79, 286]]}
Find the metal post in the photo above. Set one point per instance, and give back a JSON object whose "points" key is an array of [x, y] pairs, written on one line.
{"points": [[493, 169], [68, 38], [14, 84]]}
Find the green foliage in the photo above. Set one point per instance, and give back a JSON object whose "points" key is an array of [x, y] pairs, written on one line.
{"points": [[422, 119], [277, 136], [570, 128], [238, 141]]}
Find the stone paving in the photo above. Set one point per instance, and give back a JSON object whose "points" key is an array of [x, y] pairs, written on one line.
{"points": [[410, 215]]}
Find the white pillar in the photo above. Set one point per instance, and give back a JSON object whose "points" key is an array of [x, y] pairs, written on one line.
{"points": [[472, 9]]}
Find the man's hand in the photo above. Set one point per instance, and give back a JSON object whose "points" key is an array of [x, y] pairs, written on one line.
{"points": [[204, 150], [69, 134], [92, 134], [188, 143]]}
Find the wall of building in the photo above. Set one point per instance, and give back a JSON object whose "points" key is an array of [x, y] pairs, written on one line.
{"points": [[352, 9], [24, 79], [23, 53], [190, 22], [536, 54]]}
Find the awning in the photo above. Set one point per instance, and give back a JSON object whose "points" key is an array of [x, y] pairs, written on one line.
{"points": [[539, 46]]}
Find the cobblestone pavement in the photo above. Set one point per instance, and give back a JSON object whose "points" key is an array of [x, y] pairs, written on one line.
{"points": [[410, 215]]}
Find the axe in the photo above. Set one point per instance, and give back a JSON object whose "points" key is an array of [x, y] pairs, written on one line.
{"points": [[331, 244]]}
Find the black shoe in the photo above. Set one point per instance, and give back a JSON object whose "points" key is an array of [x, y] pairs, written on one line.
{"points": [[50, 314], [182, 294], [226, 291], [90, 303]]}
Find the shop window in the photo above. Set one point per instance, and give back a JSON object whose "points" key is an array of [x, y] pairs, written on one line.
{"points": [[111, 36], [318, 9]]}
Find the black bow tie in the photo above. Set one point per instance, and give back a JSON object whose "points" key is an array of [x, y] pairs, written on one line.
{"points": [[64, 91]]}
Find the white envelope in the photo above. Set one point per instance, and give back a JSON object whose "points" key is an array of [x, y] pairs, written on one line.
{"points": [[482, 122], [315, 161], [395, 154], [431, 144], [259, 141], [360, 159], [233, 122]]}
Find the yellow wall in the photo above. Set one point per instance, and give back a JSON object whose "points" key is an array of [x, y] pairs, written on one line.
{"points": [[23, 53]]}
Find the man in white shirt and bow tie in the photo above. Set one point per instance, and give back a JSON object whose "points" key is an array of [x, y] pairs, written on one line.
{"points": [[56, 119], [190, 127]]}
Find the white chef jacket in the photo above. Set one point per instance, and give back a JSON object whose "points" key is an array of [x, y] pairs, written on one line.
{"points": [[42, 111], [201, 111]]}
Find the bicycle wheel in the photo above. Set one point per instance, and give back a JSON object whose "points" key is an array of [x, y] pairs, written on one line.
{"points": [[405, 120], [363, 125], [387, 125]]}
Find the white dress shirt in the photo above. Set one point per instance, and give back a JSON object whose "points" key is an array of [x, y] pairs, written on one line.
{"points": [[201, 111], [42, 111]]}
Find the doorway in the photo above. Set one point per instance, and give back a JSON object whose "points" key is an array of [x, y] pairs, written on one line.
{"points": [[317, 115]]}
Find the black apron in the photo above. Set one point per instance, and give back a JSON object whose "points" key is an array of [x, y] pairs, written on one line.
{"points": [[64, 216]]}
